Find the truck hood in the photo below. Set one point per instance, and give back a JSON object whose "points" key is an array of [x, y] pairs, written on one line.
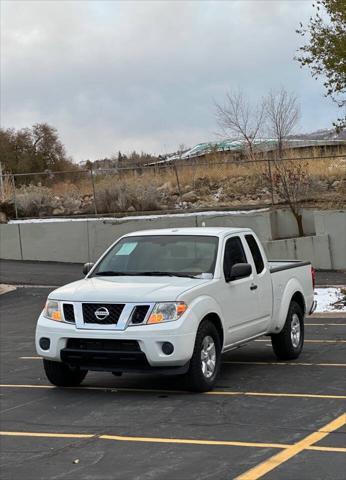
{"points": [[126, 289]]}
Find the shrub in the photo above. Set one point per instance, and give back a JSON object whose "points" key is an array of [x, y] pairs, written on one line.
{"points": [[33, 201], [119, 197]]}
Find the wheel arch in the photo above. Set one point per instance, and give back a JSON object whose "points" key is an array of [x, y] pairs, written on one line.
{"points": [[216, 321], [299, 299], [293, 291]]}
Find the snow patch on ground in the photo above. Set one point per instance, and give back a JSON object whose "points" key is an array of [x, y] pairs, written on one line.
{"points": [[141, 217], [330, 299]]}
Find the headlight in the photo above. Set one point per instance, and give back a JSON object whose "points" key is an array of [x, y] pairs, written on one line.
{"points": [[167, 312], [52, 310]]}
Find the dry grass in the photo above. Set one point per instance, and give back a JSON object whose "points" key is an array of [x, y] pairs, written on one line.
{"points": [[82, 186], [139, 189], [6, 192], [252, 174], [119, 195], [32, 199], [213, 184]]}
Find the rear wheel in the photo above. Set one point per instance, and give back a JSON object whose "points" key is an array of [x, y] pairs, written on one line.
{"points": [[62, 375], [288, 344], [205, 362]]}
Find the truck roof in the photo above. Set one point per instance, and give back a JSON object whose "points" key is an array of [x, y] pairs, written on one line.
{"points": [[210, 231]]}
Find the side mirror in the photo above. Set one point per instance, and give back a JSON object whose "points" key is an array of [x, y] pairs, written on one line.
{"points": [[239, 270], [87, 267]]}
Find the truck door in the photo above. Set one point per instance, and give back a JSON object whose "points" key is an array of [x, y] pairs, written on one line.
{"points": [[238, 298], [262, 281]]}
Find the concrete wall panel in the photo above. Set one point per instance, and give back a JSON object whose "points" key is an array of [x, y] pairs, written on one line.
{"points": [[284, 224], [10, 242], [333, 223], [103, 233], [55, 241], [314, 249], [260, 222]]}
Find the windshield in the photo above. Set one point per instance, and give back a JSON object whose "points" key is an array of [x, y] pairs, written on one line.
{"points": [[178, 255]]}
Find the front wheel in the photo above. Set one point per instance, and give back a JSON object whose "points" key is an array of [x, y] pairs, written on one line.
{"points": [[205, 362], [288, 344], [62, 375]]}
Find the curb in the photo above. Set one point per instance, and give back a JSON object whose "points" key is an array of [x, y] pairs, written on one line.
{"points": [[335, 314]]}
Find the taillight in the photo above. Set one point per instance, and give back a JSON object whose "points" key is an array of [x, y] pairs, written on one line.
{"points": [[313, 277]]}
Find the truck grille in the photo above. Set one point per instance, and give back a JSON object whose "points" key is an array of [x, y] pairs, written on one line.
{"points": [[103, 314], [69, 312], [139, 313]]}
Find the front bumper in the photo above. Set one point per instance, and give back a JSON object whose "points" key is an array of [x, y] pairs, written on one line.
{"points": [[150, 339]]}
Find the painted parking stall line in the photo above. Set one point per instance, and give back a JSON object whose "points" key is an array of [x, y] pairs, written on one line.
{"points": [[324, 324], [275, 461], [289, 364], [311, 341], [235, 362], [178, 441], [179, 392]]}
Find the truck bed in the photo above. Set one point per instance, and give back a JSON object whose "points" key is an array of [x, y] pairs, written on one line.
{"points": [[280, 265]]}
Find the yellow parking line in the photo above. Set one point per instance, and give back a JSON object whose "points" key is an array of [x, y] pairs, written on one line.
{"points": [[278, 459], [187, 441], [30, 358], [327, 449], [181, 441], [252, 363], [266, 394], [122, 438], [181, 392], [48, 435], [300, 364], [310, 341], [324, 324]]}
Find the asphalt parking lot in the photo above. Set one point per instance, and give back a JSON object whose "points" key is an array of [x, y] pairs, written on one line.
{"points": [[264, 419]]}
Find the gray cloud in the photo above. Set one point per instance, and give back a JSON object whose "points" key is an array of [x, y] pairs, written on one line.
{"points": [[142, 75]]}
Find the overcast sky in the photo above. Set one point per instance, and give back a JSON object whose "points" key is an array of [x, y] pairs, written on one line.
{"points": [[113, 75]]}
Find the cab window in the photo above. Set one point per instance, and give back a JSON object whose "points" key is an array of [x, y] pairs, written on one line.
{"points": [[234, 253], [256, 253]]}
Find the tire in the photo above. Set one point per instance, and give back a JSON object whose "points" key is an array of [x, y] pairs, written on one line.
{"points": [[288, 344], [62, 375], [202, 374]]}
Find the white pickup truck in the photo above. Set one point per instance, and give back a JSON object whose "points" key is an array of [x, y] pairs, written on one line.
{"points": [[172, 301]]}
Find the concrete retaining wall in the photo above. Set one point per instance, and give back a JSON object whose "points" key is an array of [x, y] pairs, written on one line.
{"points": [[56, 241], [10, 247], [284, 225], [103, 234], [314, 248], [260, 222], [85, 240], [333, 223]]}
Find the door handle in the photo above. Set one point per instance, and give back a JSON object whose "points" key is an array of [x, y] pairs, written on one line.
{"points": [[253, 287]]}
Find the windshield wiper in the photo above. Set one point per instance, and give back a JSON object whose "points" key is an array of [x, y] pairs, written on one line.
{"points": [[111, 273], [166, 274]]}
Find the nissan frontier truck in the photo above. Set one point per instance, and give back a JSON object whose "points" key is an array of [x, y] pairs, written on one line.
{"points": [[172, 301]]}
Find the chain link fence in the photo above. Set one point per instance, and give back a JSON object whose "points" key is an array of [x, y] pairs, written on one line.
{"points": [[178, 185]]}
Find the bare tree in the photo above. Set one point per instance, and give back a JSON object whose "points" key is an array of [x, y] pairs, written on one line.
{"points": [[282, 114], [238, 119], [289, 178], [291, 182]]}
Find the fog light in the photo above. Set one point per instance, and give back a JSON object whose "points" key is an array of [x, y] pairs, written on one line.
{"points": [[44, 343], [167, 348]]}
